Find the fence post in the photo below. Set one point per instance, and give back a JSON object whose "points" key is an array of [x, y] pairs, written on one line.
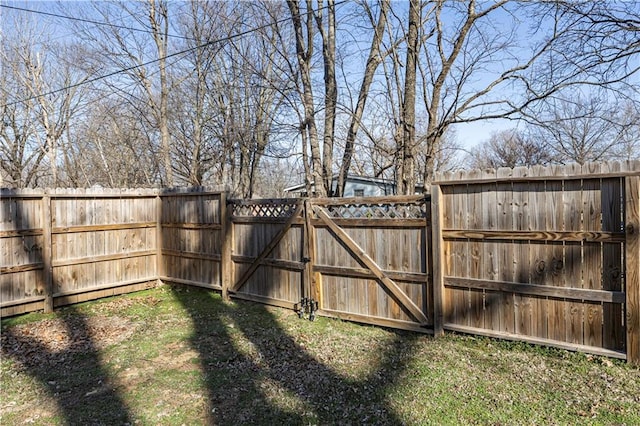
{"points": [[438, 259], [47, 252], [311, 284], [632, 267], [159, 255], [226, 264]]}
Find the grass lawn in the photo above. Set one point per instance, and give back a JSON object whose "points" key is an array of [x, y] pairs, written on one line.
{"points": [[175, 355]]}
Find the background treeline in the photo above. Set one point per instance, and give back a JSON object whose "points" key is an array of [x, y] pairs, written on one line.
{"points": [[255, 96]]}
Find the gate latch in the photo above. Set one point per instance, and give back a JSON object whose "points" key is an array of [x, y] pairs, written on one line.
{"points": [[306, 306]]}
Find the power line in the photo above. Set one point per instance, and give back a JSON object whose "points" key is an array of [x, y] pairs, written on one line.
{"points": [[153, 61], [89, 21]]}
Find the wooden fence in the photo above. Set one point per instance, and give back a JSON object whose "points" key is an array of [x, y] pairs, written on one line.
{"points": [[67, 246], [548, 255], [544, 255]]}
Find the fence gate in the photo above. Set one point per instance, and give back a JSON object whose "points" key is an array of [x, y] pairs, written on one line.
{"points": [[266, 250], [369, 260]]}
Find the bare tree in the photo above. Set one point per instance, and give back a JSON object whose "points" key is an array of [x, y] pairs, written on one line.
{"points": [[510, 148], [373, 61], [582, 129], [629, 146], [304, 35], [42, 94], [110, 147], [196, 154], [20, 156], [138, 59], [484, 61]]}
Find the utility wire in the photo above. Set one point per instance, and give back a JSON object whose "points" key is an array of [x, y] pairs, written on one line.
{"points": [[153, 61], [89, 21]]}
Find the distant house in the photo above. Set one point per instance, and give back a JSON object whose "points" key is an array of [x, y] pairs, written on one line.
{"points": [[355, 186]]}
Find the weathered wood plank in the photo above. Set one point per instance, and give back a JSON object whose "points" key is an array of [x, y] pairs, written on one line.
{"points": [[375, 223], [102, 227], [570, 293], [193, 226], [375, 320], [614, 335], [592, 259], [103, 258], [538, 263], [22, 301], [183, 281], [573, 221], [21, 233], [551, 173], [227, 266], [632, 267], [460, 255], [504, 213], [21, 268], [475, 221], [141, 280], [542, 236], [555, 258], [265, 300], [155, 212], [276, 263], [412, 277], [309, 287], [538, 341], [266, 220]]}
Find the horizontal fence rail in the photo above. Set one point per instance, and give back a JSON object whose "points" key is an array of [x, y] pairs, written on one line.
{"points": [[547, 255]]}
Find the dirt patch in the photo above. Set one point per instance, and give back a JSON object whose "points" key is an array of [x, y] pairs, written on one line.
{"points": [[122, 303], [50, 341]]}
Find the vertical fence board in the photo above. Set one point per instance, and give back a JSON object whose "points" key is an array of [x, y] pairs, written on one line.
{"points": [[572, 199], [523, 305], [539, 264], [438, 259], [504, 205], [555, 250], [592, 259], [474, 221], [632, 260], [47, 254], [613, 324]]}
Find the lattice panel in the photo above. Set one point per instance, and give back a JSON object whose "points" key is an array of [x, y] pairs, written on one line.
{"points": [[412, 210], [265, 209]]}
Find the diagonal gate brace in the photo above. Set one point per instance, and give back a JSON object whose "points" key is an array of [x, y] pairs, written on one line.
{"points": [[364, 258]]}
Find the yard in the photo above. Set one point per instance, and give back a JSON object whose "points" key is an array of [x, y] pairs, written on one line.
{"points": [[175, 355]]}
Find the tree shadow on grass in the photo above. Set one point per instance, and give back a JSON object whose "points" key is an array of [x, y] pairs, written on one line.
{"points": [[256, 373], [72, 374]]}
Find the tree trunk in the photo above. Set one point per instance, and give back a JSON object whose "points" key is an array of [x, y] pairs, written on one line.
{"points": [[330, 90], [373, 61], [406, 180], [160, 29], [304, 57]]}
